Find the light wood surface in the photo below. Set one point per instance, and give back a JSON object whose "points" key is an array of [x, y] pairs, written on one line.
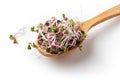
{"points": [[110, 13], [86, 26]]}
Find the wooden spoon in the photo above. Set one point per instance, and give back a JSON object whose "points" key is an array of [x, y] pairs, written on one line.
{"points": [[86, 26]]}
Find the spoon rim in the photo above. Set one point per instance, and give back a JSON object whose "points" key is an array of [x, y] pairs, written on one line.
{"points": [[48, 54]]}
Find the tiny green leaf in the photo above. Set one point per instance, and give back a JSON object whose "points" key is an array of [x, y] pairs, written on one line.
{"points": [[29, 47], [66, 32], [51, 49], [63, 15], [34, 45], [11, 37], [80, 47], [58, 38], [49, 30], [58, 21], [72, 23], [82, 32], [15, 41], [40, 25], [52, 17], [59, 52], [55, 29], [61, 28], [37, 31], [32, 28], [65, 48]]}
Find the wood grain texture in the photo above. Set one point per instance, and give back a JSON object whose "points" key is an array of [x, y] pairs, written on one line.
{"points": [[86, 26], [108, 14]]}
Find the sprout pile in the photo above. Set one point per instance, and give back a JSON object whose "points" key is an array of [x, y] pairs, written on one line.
{"points": [[55, 36], [58, 36]]}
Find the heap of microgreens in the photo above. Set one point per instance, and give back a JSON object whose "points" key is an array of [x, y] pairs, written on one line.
{"points": [[54, 30], [58, 36]]}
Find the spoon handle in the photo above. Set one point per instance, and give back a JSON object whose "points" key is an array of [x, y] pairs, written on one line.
{"points": [[110, 13]]}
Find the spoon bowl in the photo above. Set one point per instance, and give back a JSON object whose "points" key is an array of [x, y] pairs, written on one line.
{"points": [[86, 26]]}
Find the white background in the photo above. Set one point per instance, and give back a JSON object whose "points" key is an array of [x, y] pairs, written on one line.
{"points": [[101, 59]]}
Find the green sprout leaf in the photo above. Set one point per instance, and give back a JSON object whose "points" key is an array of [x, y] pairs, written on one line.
{"points": [[32, 28], [13, 39], [80, 47], [58, 38], [29, 47], [55, 29], [51, 49], [83, 34], [49, 30], [40, 25], [34, 45], [63, 15], [65, 48], [52, 17], [72, 23], [61, 28], [37, 31], [66, 32]]}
